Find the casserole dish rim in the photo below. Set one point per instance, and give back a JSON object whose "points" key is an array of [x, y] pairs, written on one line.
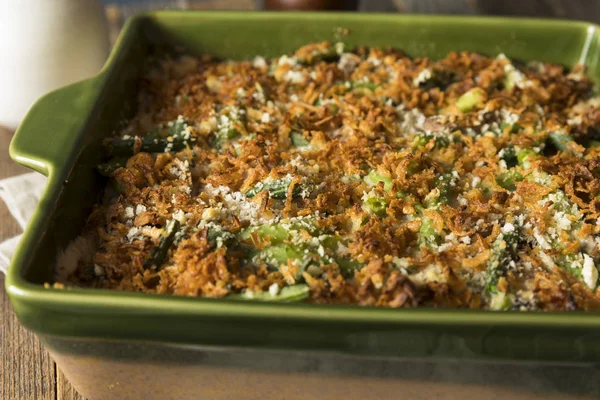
{"points": [[103, 301]]}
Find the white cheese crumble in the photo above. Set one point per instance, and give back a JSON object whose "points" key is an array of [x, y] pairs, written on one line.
{"points": [[140, 208], [285, 60], [589, 272], [341, 250], [134, 233], [431, 273], [274, 290], [265, 118], [541, 239], [410, 120], [562, 220], [547, 260], [259, 62], [348, 62], [179, 215], [233, 203], [129, 212], [294, 77], [508, 228], [422, 77], [374, 60]]}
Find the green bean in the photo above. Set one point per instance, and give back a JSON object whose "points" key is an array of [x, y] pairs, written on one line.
{"points": [[594, 143], [229, 126], [504, 250], [427, 234], [445, 189], [374, 177], [524, 157], [275, 232], [561, 141], [376, 205], [514, 128], [507, 179], [224, 136], [509, 156], [470, 99], [347, 266], [364, 85], [513, 76], [278, 233], [109, 167], [277, 188], [299, 140], [216, 235], [282, 253], [291, 293], [422, 139], [159, 253], [177, 138]]}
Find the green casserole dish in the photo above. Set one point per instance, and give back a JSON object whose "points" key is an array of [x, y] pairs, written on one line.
{"points": [[111, 344]]}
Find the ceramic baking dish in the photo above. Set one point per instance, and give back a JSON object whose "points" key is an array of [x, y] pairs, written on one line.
{"points": [[126, 345]]}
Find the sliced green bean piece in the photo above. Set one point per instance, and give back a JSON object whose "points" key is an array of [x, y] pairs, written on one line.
{"points": [[509, 156], [217, 237], [277, 188], [109, 167], [159, 253], [422, 139], [504, 251], [427, 235], [376, 205], [507, 179], [513, 76], [229, 126], [470, 99], [347, 266], [514, 128], [177, 138], [291, 293], [445, 189], [525, 156], [374, 177], [282, 253], [299, 140], [561, 141], [364, 85], [282, 231]]}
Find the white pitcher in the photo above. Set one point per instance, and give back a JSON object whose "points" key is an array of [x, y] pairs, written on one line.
{"points": [[45, 44]]}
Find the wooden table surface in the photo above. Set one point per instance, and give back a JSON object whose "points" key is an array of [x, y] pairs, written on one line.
{"points": [[27, 371]]}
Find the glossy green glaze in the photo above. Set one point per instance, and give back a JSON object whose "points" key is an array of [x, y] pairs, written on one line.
{"points": [[60, 138]]}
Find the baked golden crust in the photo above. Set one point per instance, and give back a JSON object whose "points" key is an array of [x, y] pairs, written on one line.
{"points": [[365, 177]]}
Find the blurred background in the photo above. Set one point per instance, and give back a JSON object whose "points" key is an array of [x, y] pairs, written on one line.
{"points": [[589, 10], [51, 26]]}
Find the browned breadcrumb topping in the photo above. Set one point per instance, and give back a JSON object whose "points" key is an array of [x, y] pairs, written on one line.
{"points": [[364, 177]]}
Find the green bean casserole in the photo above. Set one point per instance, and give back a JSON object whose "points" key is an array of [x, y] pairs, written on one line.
{"points": [[360, 177]]}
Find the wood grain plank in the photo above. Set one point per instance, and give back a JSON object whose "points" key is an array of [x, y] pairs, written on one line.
{"points": [[64, 389], [27, 371]]}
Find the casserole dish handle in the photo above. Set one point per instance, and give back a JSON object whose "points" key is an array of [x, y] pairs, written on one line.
{"points": [[52, 125]]}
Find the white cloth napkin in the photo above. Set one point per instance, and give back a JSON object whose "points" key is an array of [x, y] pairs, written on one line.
{"points": [[21, 194]]}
